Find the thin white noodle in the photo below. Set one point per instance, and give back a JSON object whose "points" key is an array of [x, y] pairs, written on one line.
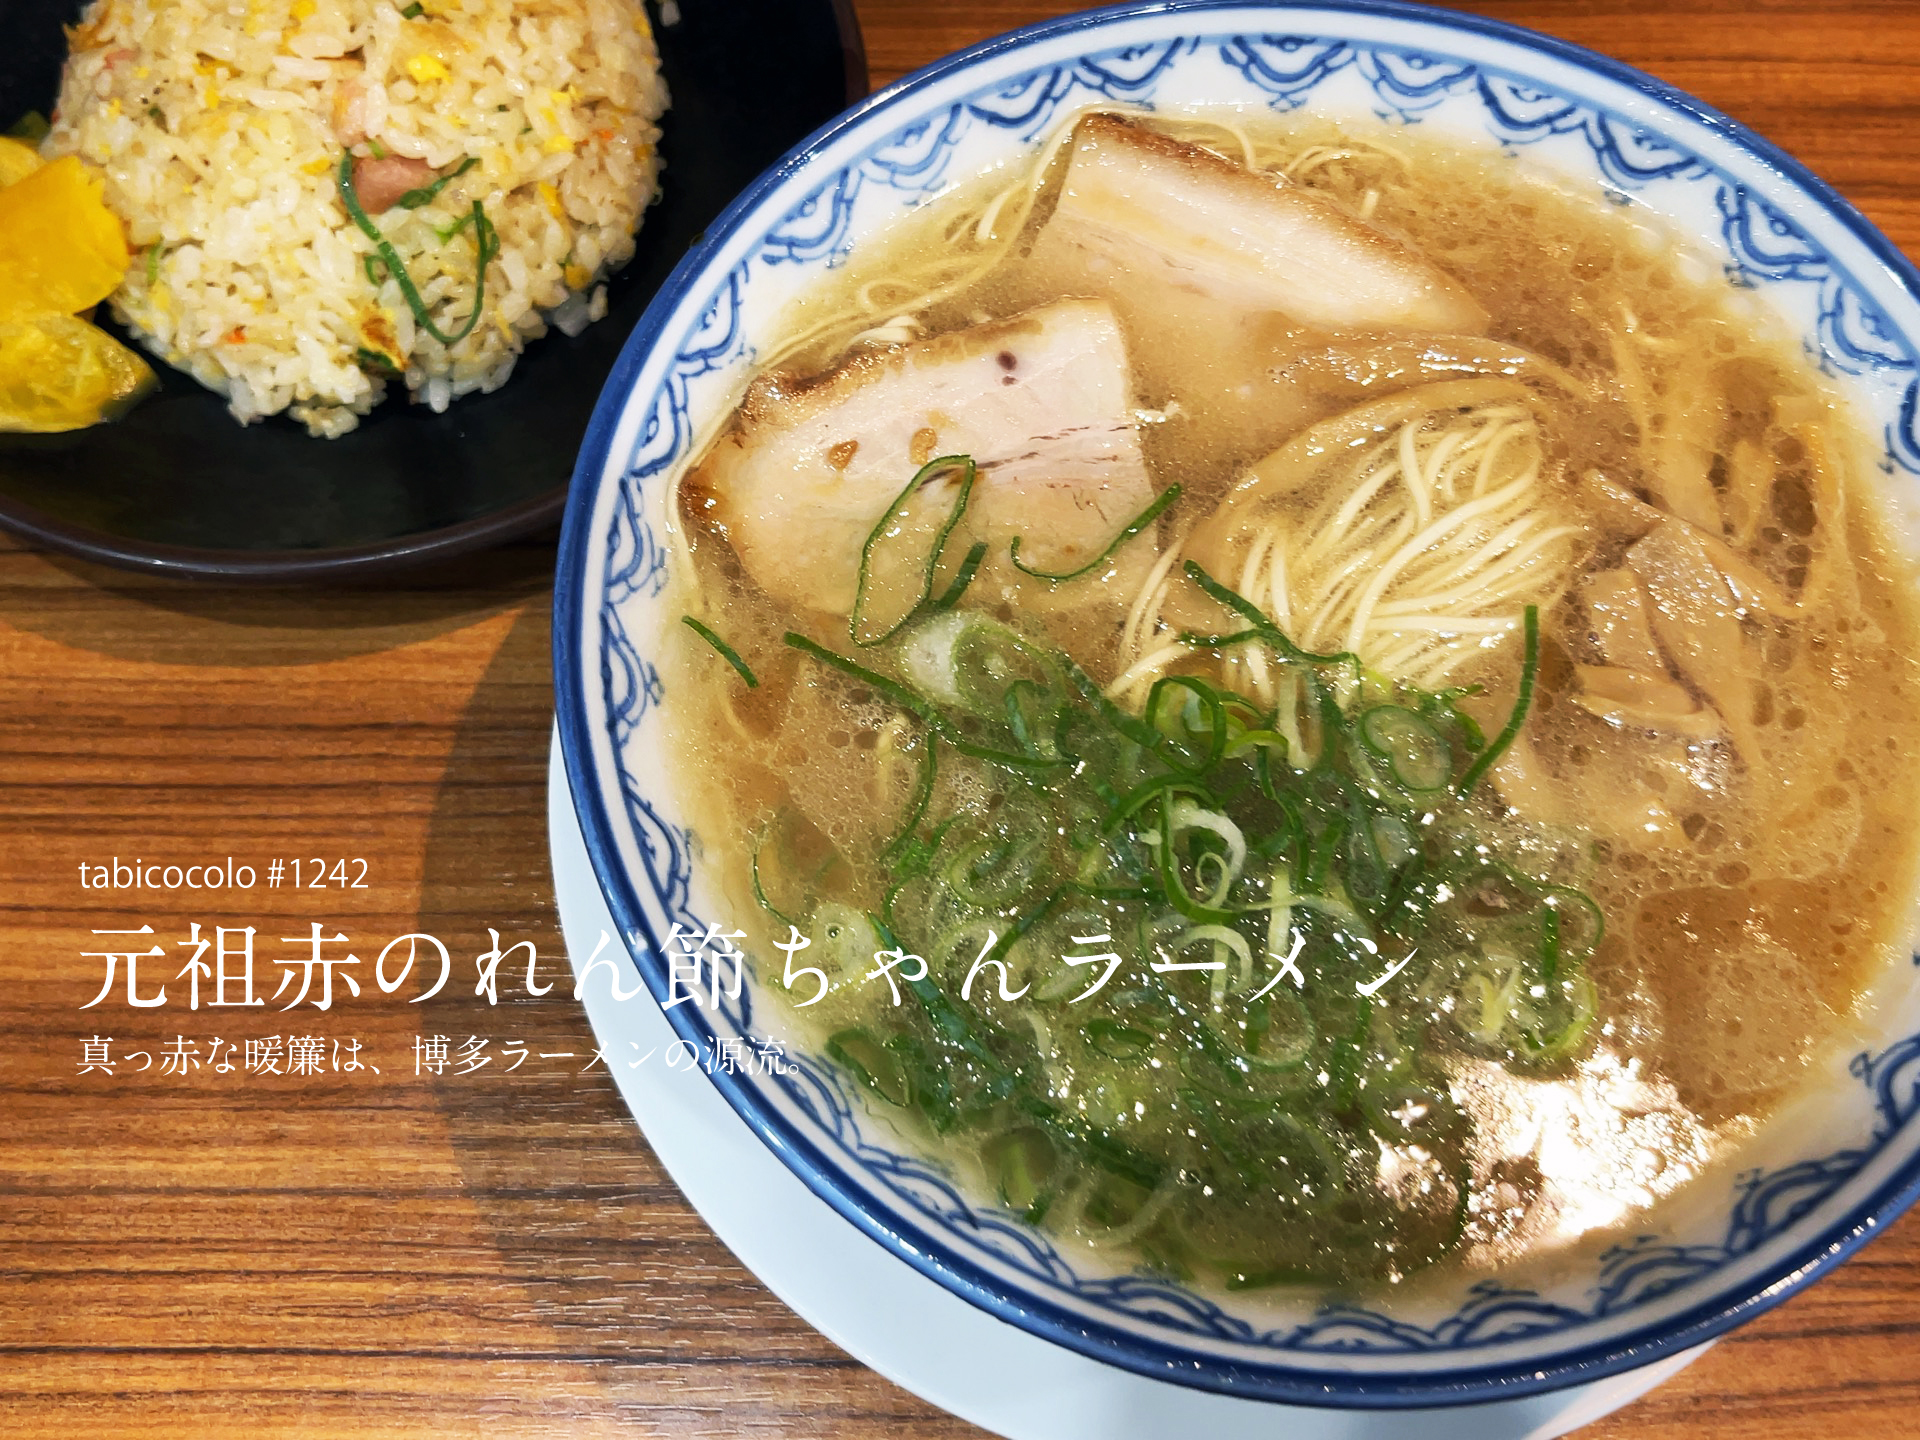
{"points": [[1144, 668], [1281, 605], [1406, 554], [1144, 613], [1256, 656]]}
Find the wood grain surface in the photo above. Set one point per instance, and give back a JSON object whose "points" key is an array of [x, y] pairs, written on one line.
{"points": [[497, 1252]]}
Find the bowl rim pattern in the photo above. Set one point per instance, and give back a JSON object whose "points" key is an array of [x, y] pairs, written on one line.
{"points": [[1890, 1075]]}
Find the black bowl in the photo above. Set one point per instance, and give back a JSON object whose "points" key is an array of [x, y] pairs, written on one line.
{"points": [[178, 487]]}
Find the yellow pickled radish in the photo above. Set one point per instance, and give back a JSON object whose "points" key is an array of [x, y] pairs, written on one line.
{"points": [[60, 247], [57, 372], [17, 160]]}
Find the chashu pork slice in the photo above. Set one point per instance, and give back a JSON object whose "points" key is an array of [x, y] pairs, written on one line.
{"points": [[1139, 212], [1043, 402]]}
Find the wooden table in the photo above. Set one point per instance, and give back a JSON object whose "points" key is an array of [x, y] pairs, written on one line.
{"points": [[344, 1253]]}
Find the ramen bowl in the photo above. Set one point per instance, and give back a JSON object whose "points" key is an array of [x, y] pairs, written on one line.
{"points": [[1826, 1172]]}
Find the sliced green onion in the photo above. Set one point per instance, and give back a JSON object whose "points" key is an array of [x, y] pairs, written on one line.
{"points": [[760, 892], [1263, 628], [1441, 705], [1167, 858], [1273, 1276], [1392, 841], [995, 871], [881, 685], [1412, 748], [1175, 751], [892, 516], [727, 652], [1529, 669], [1321, 850], [872, 1064], [1023, 1161], [1012, 759], [1175, 830], [988, 657], [1134, 526], [1563, 1041], [447, 232], [963, 577], [947, 1020], [917, 806], [486, 246], [1024, 719], [1130, 726], [1096, 1145], [427, 194], [1115, 1040], [1160, 787], [1290, 1052]]}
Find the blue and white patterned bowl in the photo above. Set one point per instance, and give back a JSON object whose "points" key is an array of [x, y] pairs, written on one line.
{"points": [[1827, 1177]]}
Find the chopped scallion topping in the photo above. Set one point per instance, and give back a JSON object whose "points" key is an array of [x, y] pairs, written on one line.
{"points": [[1134, 526], [893, 524], [726, 651], [1313, 856], [427, 194], [486, 246], [1529, 669], [963, 577]]}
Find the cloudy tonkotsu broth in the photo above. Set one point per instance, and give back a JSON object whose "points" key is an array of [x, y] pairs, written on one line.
{"points": [[1482, 781]]}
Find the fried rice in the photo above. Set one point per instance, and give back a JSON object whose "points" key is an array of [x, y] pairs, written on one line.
{"points": [[221, 126]]}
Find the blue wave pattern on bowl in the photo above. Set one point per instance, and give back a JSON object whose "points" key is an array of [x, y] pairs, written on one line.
{"points": [[1764, 248]]}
